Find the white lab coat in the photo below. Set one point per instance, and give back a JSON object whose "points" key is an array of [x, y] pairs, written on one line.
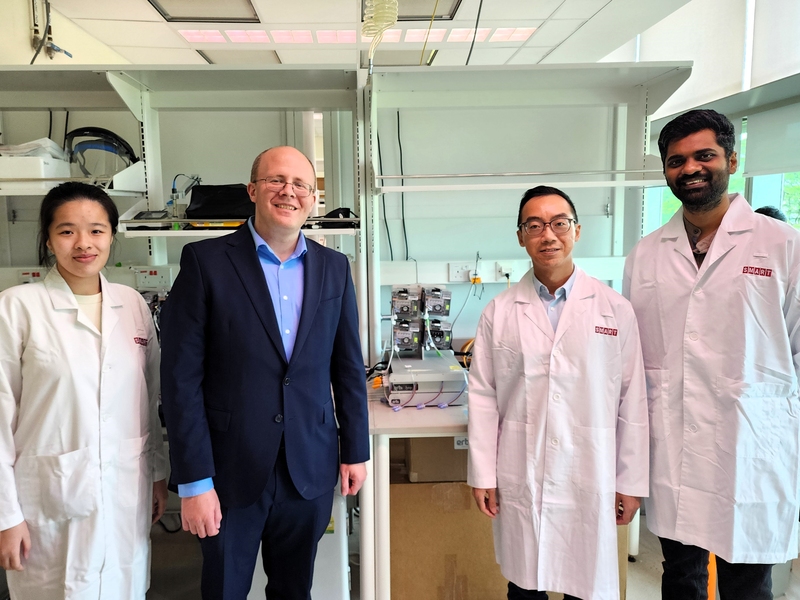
{"points": [[558, 423], [80, 440], [721, 347]]}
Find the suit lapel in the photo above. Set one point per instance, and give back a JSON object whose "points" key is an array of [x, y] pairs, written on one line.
{"points": [[313, 276], [242, 254]]}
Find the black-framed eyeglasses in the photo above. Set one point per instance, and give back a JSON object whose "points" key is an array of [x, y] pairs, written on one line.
{"points": [[276, 184], [536, 227]]}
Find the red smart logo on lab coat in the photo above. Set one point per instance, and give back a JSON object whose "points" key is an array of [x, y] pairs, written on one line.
{"points": [[605, 330], [757, 271], [140, 341]]}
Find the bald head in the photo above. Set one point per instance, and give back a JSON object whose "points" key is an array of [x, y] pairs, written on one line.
{"points": [[282, 150]]}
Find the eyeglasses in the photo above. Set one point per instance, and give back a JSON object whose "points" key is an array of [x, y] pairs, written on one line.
{"points": [[536, 227], [276, 184]]}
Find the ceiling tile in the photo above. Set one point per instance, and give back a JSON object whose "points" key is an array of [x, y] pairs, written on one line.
{"points": [[554, 31], [319, 12], [242, 57], [160, 56], [510, 10], [133, 34], [326, 56], [580, 9], [395, 58], [491, 56], [449, 57], [528, 56], [112, 10]]}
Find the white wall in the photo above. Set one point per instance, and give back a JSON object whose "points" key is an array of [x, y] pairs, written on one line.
{"points": [[454, 226], [15, 39], [714, 34]]}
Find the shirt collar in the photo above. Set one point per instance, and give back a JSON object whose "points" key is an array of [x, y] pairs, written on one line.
{"points": [[262, 246], [564, 291]]}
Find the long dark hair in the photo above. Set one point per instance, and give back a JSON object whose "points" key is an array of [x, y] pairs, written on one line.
{"points": [[60, 195]]}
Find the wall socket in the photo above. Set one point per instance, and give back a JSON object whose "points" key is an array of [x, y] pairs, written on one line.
{"points": [[153, 279], [503, 268], [459, 271]]}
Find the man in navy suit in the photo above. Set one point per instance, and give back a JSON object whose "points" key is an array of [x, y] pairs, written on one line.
{"points": [[259, 328]]}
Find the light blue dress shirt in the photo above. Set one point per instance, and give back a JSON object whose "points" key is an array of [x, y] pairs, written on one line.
{"points": [[285, 284], [554, 303]]}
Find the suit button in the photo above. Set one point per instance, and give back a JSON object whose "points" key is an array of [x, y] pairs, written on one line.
{"points": [[286, 381], [278, 418]]}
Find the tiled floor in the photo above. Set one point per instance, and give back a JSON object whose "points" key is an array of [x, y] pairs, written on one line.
{"points": [[177, 561]]}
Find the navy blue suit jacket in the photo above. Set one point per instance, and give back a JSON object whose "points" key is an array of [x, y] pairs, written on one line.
{"points": [[229, 393]]}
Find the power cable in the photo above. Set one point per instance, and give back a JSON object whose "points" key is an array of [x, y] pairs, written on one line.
{"points": [[428, 34], [44, 32], [402, 182], [383, 202], [475, 35]]}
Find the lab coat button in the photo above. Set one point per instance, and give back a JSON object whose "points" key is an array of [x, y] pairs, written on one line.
{"points": [[556, 396], [554, 441], [278, 418], [693, 336], [286, 381], [693, 428]]}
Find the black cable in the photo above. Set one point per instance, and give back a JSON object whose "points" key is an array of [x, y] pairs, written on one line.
{"points": [[167, 529], [383, 201], [402, 182], [50, 127], [44, 31], [475, 35], [66, 129]]}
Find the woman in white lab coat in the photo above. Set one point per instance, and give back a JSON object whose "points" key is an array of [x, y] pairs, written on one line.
{"points": [[81, 454]]}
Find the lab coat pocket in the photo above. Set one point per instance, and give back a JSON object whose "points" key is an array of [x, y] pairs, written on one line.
{"points": [[514, 459], [69, 484], [133, 473], [657, 402], [753, 418], [594, 459]]}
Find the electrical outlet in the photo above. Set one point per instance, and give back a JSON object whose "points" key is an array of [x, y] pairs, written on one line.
{"points": [[460, 271], [503, 268], [30, 275], [153, 279]]}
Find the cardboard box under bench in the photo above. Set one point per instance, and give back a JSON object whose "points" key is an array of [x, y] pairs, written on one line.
{"points": [[442, 546]]}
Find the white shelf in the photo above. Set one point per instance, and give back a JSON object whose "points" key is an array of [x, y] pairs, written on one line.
{"points": [[466, 187], [211, 233]]}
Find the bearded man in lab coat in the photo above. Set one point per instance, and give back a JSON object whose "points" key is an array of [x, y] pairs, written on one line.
{"points": [[716, 294], [557, 416]]}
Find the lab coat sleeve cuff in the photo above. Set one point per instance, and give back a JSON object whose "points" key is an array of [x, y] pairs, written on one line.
{"points": [[11, 519], [186, 490]]}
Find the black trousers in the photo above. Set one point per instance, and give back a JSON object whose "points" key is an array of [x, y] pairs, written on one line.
{"points": [[517, 593], [288, 527], [686, 575]]}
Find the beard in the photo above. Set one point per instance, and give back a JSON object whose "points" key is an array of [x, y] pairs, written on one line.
{"points": [[704, 199]]}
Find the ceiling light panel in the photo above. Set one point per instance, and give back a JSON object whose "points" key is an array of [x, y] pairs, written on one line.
{"points": [[336, 36], [247, 36], [204, 11], [390, 36], [203, 36], [420, 35], [512, 34], [466, 35], [292, 36]]}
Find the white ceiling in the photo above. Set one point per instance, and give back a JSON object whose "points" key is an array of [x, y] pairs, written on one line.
{"points": [[566, 31]]}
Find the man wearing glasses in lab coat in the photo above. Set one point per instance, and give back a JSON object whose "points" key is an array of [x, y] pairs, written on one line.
{"points": [[557, 416]]}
